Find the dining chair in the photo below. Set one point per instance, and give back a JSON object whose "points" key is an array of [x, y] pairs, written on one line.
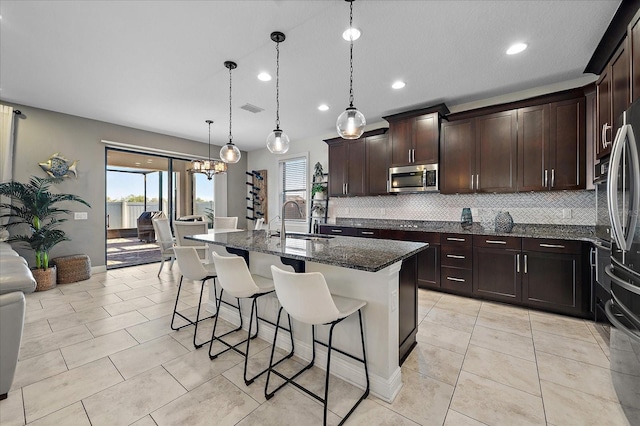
{"points": [[222, 222], [183, 229], [165, 241]]}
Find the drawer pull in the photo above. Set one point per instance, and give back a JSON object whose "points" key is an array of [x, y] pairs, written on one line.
{"points": [[367, 233], [495, 242], [460, 280], [455, 256], [337, 230], [456, 239], [560, 246]]}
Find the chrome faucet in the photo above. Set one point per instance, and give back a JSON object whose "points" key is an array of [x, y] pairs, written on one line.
{"points": [[283, 231]]}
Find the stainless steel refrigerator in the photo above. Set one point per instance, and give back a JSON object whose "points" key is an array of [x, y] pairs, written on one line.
{"points": [[623, 310]]}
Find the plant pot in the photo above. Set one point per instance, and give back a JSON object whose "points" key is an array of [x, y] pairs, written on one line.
{"points": [[45, 278], [319, 196]]}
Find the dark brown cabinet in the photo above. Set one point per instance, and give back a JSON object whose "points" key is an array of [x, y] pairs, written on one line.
{"points": [[533, 148], [553, 275], [347, 231], [567, 148], [633, 35], [456, 263], [496, 152], [358, 167], [408, 302], [496, 268], [428, 273], [457, 157]]}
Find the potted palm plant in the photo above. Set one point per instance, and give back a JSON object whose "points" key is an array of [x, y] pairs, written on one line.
{"points": [[36, 209]]}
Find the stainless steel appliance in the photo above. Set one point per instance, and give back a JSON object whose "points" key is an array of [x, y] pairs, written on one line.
{"points": [[623, 309], [601, 288], [418, 178]]}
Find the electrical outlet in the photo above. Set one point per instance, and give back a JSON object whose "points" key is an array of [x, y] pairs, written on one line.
{"points": [[566, 213], [80, 216]]}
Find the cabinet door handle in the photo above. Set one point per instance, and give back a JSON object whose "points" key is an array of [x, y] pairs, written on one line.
{"points": [[553, 177], [605, 127], [525, 263], [472, 182], [560, 246], [495, 242], [518, 263], [455, 239], [478, 181], [545, 178], [339, 231], [455, 256], [413, 155], [409, 155], [460, 280], [347, 188], [367, 233]]}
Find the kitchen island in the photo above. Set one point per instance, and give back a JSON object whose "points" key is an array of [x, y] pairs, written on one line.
{"points": [[360, 268]]}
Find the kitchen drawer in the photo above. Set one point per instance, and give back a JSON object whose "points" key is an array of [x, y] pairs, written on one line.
{"points": [[456, 239], [369, 233], [337, 230], [458, 280], [416, 236], [456, 257], [512, 243], [551, 246]]}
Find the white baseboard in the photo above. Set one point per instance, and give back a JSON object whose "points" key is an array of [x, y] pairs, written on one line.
{"points": [[98, 269]]}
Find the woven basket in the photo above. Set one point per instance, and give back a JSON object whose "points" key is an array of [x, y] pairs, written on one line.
{"points": [[45, 278], [73, 268]]}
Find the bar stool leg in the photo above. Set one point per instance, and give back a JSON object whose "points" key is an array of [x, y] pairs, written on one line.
{"points": [[215, 325], [195, 332]]}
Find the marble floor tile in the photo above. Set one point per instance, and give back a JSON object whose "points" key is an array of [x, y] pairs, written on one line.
{"points": [[111, 324], [50, 395], [422, 399], [72, 415], [95, 302], [128, 306], [604, 344], [496, 404], [504, 322], [161, 309], [561, 325], [153, 329], [100, 347], [504, 309], [36, 328], [216, 399], [587, 378], [578, 350], [424, 294], [456, 419], [144, 281], [109, 290], [371, 413], [79, 318], [437, 363], [505, 342], [42, 344], [130, 401], [138, 359], [566, 406], [462, 305], [47, 313], [289, 407], [506, 369], [12, 410], [138, 292], [75, 297], [443, 337], [451, 319], [79, 287], [194, 368], [145, 421], [32, 305], [37, 368]]}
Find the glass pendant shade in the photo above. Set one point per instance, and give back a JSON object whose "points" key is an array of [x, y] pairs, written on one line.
{"points": [[350, 124], [230, 153], [278, 142]]}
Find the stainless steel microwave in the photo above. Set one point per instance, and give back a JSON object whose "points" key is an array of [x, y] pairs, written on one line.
{"points": [[418, 178]]}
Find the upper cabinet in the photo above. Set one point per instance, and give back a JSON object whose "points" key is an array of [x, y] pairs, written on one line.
{"points": [[567, 145], [633, 36], [358, 167], [496, 143], [414, 135], [457, 157]]}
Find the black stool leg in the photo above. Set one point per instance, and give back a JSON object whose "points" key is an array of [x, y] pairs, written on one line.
{"points": [[195, 332], [175, 307], [268, 395]]}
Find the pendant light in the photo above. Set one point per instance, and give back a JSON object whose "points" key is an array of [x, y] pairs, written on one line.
{"points": [[278, 141], [230, 153], [208, 167], [351, 122]]}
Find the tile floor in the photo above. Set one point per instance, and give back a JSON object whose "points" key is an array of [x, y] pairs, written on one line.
{"points": [[101, 352]]}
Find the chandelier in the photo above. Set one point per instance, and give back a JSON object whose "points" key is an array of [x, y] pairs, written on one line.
{"points": [[208, 167]]}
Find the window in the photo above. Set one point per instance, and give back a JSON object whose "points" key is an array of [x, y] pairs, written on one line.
{"points": [[293, 175]]}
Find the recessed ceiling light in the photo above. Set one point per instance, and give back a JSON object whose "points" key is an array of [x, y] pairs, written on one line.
{"points": [[351, 34], [516, 48], [263, 76], [323, 107], [398, 85]]}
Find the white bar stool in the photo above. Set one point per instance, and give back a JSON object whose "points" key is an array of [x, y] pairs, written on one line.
{"points": [[306, 298], [234, 278], [192, 268]]}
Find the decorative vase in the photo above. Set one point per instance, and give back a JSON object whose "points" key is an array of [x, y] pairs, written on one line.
{"points": [[319, 195], [45, 278], [504, 222], [466, 220]]}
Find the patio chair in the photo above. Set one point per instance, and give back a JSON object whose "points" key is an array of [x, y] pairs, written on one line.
{"points": [[165, 241]]}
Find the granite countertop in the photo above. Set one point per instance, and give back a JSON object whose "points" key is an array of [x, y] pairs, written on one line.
{"points": [[529, 230], [364, 254]]}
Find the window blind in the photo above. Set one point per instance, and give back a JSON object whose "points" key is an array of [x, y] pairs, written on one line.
{"points": [[294, 187]]}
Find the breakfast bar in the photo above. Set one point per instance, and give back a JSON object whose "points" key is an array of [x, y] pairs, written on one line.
{"points": [[359, 268]]}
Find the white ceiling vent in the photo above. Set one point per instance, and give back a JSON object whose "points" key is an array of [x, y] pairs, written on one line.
{"points": [[251, 108]]}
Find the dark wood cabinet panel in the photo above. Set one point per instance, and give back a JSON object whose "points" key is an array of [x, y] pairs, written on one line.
{"points": [[346, 231], [496, 150], [591, 132], [425, 139], [567, 148], [533, 148], [456, 280], [408, 301], [496, 274], [401, 136], [603, 105], [368, 233], [457, 157], [377, 164], [633, 34], [356, 158], [429, 267], [337, 169], [619, 85]]}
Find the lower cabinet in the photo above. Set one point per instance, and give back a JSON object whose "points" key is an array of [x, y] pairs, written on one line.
{"points": [[496, 268], [408, 307], [456, 263]]}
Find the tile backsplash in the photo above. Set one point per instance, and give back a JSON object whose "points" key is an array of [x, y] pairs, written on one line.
{"points": [[555, 208]]}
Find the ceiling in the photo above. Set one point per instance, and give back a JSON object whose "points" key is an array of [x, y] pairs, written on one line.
{"points": [[158, 65]]}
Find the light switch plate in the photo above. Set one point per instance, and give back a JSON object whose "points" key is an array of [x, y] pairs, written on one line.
{"points": [[566, 213], [80, 216]]}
